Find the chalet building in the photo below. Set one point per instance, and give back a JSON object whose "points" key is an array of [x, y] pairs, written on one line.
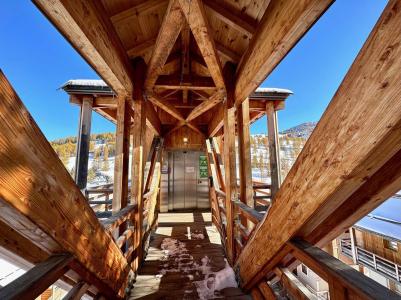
{"points": [[179, 80], [372, 246]]}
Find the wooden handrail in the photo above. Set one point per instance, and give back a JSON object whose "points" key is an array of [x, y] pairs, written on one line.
{"points": [[340, 276], [116, 220], [250, 213]]}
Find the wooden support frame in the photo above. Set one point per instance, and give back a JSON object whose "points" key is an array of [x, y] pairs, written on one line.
{"points": [[344, 153], [244, 26], [47, 186], [120, 187], [274, 148], [138, 160], [38, 279], [84, 132], [101, 47], [244, 149], [206, 105], [77, 291], [168, 34], [293, 285], [282, 26], [196, 17], [230, 159]]}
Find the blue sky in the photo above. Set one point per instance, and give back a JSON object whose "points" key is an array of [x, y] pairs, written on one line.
{"points": [[37, 60]]}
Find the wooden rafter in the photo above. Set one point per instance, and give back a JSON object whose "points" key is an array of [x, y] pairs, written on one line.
{"points": [[141, 8], [282, 26], [206, 105], [185, 83], [168, 33], [227, 53], [164, 105], [141, 48], [185, 57], [231, 18], [356, 137], [102, 47], [196, 18]]}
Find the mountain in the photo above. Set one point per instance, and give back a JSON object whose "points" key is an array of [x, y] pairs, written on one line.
{"points": [[303, 130]]}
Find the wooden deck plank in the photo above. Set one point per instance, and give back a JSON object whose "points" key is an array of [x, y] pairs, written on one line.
{"points": [[177, 274]]}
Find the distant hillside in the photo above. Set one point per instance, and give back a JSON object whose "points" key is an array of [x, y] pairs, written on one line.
{"points": [[303, 130]]}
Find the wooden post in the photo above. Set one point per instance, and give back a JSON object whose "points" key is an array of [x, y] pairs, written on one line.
{"points": [[274, 148], [230, 159], [120, 191], [353, 245], [244, 147], [84, 131], [138, 161]]}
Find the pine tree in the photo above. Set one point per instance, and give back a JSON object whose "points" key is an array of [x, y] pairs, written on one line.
{"points": [[106, 158]]}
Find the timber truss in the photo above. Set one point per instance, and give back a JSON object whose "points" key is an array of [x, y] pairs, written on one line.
{"points": [[195, 65]]}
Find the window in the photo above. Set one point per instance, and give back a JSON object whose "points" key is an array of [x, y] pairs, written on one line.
{"points": [[392, 245], [304, 269]]}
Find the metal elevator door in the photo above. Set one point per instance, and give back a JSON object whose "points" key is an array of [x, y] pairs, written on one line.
{"points": [[187, 185]]}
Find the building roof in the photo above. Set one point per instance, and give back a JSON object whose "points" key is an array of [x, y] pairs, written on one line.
{"points": [[98, 86], [385, 220]]}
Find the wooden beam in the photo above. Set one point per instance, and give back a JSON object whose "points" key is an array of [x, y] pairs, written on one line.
{"points": [[206, 105], [231, 18], [141, 8], [197, 20], [293, 286], [38, 279], [142, 48], [266, 291], [282, 26], [244, 149], [185, 83], [152, 119], [35, 184], [19, 245], [274, 148], [138, 159], [105, 101], [77, 291], [227, 53], [84, 132], [164, 105], [185, 57], [168, 33], [347, 147], [216, 123], [380, 186], [101, 48], [120, 187], [230, 159]]}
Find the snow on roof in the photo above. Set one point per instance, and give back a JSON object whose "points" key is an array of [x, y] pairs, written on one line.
{"points": [[273, 90], [98, 84], [385, 220], [85, 82]]}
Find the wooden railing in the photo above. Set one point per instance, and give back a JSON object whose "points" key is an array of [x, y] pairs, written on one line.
{"points": [[261, 193], [344, 282], [99, 197], [47, 221]]}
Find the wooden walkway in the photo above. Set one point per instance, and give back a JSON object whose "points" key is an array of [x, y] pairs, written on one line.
{"points": [[186, 261]]}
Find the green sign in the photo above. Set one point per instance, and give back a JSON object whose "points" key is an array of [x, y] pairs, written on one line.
{"points": [[203, 172]]}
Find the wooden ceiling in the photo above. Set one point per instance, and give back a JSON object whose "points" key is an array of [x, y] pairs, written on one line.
{"points": [[186, 45]]}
